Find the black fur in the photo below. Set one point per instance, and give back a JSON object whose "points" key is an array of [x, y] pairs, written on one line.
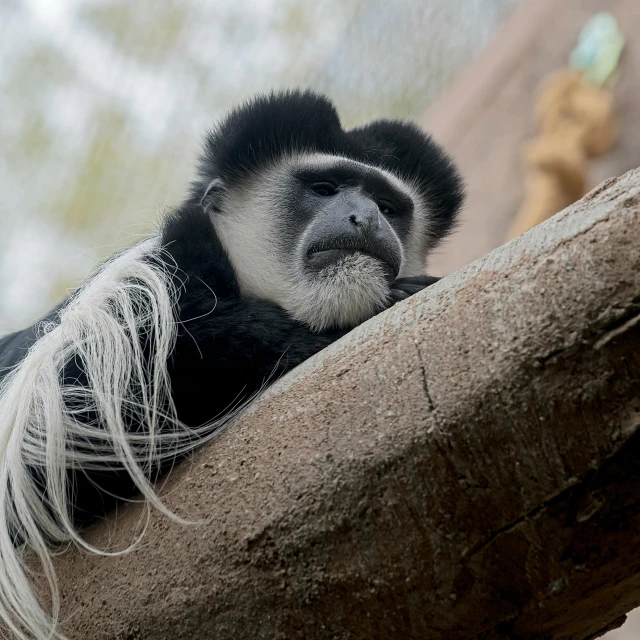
{"points": [[228, 345], [297, 121], [404, 149]]}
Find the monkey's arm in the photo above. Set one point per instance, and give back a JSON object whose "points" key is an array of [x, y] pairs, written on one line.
{"points": [[229, 353], [402, 288], [230, 349]]}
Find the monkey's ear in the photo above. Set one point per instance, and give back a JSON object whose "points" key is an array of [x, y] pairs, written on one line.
{"points": [[213, 196]]}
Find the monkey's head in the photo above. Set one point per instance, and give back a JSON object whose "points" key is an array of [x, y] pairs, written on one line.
{"points": [[318, 219]]}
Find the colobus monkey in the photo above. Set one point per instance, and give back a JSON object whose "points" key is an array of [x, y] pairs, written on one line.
{"points": [[294, 232]]}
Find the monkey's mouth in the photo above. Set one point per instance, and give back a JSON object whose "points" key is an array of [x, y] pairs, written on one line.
{"points": [[319, 258]]}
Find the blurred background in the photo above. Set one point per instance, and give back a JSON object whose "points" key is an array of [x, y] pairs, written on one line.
{"points": [[103, 104]]}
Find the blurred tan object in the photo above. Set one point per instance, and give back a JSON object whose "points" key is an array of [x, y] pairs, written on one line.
{"points": [[484, 117], [576, 122]]}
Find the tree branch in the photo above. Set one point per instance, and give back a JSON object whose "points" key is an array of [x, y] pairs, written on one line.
{"points": [[466, 465]]}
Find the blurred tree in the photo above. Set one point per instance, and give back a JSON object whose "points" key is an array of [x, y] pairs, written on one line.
{"points": [[104, 104]]}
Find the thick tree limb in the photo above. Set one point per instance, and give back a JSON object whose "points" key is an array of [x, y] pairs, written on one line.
{"points": [[464, 466]]}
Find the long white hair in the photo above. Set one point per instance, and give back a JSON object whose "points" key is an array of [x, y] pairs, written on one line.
{"points": [[122, 326]]}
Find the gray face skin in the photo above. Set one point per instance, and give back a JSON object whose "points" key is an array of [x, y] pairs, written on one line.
{"points": [[350, 209], [323, 237]]}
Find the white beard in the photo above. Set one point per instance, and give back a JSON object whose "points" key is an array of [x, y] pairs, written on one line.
{"points": [[341, 295]]}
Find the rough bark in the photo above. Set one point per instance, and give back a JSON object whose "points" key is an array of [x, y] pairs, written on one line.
{"points": [[466, 465]]}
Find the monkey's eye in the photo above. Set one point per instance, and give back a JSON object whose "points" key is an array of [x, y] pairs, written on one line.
{"points": [[324, 189], [386, 209]]}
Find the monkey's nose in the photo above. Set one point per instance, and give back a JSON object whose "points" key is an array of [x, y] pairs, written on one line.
{"points": [[364, 220]]}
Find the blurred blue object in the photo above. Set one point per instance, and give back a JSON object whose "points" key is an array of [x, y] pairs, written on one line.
{"points": [[599, 49]]}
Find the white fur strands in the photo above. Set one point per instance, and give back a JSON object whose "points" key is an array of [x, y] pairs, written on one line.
{"points": [[121, 326], [341, 295]]}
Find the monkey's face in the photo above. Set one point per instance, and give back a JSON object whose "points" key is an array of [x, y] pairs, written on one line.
{"points": [[324, 237], [345, 209]]}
